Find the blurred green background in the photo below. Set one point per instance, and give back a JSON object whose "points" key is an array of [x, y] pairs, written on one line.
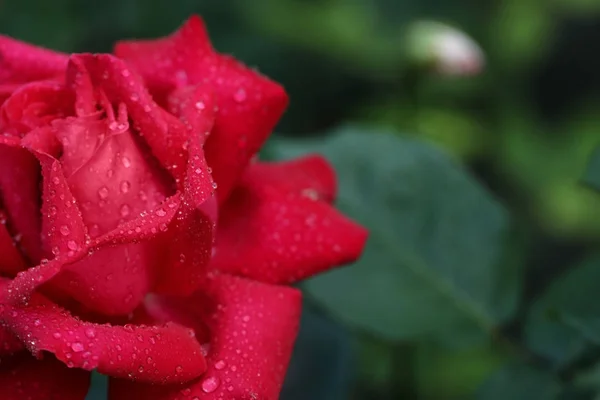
{"points": [[481, 279]]}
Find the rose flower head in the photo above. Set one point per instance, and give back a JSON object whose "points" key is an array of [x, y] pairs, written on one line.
{"points": [[140, 236]]}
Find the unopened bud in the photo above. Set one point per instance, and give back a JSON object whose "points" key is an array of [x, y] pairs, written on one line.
{"points": [[445, 49]]}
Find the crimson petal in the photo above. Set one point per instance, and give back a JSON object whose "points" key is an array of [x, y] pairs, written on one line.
{"points": [[249, 104], [11, 261], [114, 272], [253, 327], [35, 104], [190, 236], [63, 230], [275, 227], [9, 343], [160, 354], [22, 62], [165, 134], [19, 181], [23, 377]]}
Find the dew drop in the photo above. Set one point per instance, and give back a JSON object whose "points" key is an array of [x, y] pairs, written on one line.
{"points": [[64, 230], [160, 212], [125, 186], [72, 245], [103, 192], [209, 385], [219, 365], [91, 333], [77, 347], [200, 105], [240, 95], [179, 369], [126, 162], [125, 210]]}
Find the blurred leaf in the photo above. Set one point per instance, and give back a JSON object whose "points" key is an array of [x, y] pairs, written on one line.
{"points": [[592, 172], [322, 364], [457, 374], [376, 362], [521, 32], [545, 166], [98, 388], [350, 32], [519, 382], [583, 7], [566, 319], [432, 267]]}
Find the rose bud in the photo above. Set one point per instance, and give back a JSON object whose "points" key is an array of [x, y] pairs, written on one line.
{"points": [[446, 50]]}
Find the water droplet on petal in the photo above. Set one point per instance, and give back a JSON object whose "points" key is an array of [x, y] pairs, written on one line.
{"points": [[77, 347], [126, 162], [210, 384], [125, 186], [125, 210], [220, 364], [64, 230], [103, 192], [240, 95]]}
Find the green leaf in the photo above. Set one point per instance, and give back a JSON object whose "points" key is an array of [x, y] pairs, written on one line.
{"points": [[431, 269], [322, 365], [98, 388], [520, 382], [566, 319], [591, 176]]}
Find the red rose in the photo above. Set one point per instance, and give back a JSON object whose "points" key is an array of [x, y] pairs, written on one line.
{"points": [[119, 253]]}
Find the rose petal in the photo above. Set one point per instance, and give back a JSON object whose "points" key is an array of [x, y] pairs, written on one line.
{"points": [[63, 230], [21, 62], [249, 104], [23, 377], [42, 140], [6, 89], [9, 343], [276, 229], [19, 189], [80, 137], [114, 272], [165, 134], [35, 104], [253, 327], [311, 176], [117, 183], [165, 354], [11, 261], [190, 236]]}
